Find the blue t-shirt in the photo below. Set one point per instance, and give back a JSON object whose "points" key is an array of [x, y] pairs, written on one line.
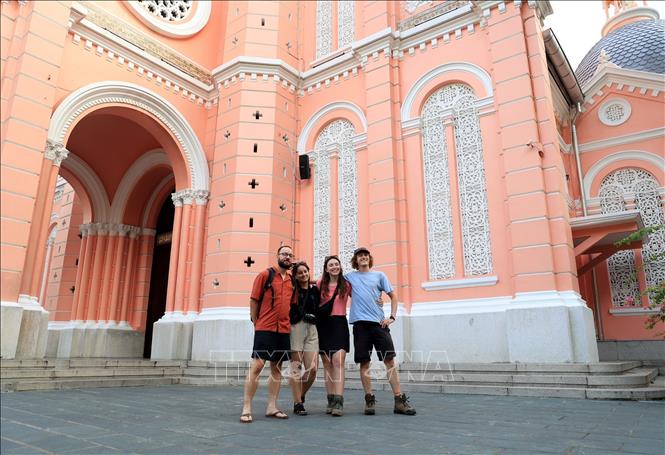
{"points": [[367, 288]]}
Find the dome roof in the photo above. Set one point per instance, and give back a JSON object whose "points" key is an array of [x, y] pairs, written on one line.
{"points": [[637, 46]]}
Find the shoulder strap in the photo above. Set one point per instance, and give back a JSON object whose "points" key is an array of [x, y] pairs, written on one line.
{"points": [[267, 285]]}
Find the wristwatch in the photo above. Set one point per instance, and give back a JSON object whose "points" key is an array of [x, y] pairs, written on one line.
{"points": [[392, 317]]}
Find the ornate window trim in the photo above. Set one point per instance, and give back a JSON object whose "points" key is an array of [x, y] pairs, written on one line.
{"points": [[346, 24], [189, 26], [644, 187], [336, 137], [455, 103], [614, 112], [324, 19]]}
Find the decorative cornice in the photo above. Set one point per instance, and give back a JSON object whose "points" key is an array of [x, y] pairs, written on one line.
{"points": [[154, 61], [55, 151], [622, 140], [106, 21], [625, 80]]}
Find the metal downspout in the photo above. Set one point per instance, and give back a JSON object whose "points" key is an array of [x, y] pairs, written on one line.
{"points": [[585, 212]]}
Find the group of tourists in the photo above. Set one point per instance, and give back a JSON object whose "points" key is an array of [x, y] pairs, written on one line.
{"points": [[298, 320]]}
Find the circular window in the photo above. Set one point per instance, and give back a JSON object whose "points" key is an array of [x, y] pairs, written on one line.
{"points": [[614, 112], [174, 18], [171, 11]]}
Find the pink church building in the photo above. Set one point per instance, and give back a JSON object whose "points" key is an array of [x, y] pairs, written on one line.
{"points": [[156, 154]]}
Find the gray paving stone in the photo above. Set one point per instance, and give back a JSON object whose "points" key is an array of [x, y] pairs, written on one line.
{"points": [[186, 419]]}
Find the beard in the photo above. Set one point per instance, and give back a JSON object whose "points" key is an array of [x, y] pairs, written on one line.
{"points": [[284, 265]]}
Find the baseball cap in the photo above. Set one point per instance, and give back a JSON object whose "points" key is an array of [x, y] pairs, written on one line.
{"points": [[361, 249]]}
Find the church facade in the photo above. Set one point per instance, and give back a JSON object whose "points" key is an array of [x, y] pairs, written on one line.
{"points": [[156, 154]]}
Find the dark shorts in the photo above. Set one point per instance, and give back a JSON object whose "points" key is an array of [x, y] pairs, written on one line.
{"points": [[368, 335], [271, 346], [333, 334]]}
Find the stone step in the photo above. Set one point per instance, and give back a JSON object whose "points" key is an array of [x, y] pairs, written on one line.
{"points": [[84, 383], [90, 363], [646, 393], [88, 372], [640, 377], [605, 368]]}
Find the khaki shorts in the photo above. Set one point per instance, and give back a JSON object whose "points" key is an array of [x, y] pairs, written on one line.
{"points": [[304, 337]]}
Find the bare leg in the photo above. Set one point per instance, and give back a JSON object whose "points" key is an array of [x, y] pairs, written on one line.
{"points": [[328, 374], [251, 384], [338, 372], [274, 382], [364, 377], [393, 375], [311, 365], [294, 377]]}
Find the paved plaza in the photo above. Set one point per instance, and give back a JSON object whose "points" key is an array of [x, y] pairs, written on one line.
{"points": [[188, 419]]}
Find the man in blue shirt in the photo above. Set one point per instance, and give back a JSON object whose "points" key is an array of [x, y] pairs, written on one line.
{"points": [[370, 328]]}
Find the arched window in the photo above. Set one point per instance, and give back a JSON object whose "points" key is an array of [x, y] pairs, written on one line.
{"points": [[326, 16], [323, 28], [455, 104], [335, 138], [614, 189], [345, 23]]}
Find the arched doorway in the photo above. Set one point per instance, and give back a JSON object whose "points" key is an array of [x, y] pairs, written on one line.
{"points": [[160, 271], [127, 150]]}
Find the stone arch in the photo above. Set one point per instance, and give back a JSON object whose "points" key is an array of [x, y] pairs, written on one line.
{"points": [[159, 195], [468, 73], [338, 110], [147, 161], [92, 187], [99, 94]]}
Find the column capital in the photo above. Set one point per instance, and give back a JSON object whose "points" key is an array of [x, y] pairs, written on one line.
{"points": [[123, 230], [88, 229], [134, 232], [148, 232], [201, 197], [177, 199], [102, 228], [55, 151]]}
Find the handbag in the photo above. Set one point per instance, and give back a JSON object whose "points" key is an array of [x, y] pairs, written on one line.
{"points": [[325, 309]]}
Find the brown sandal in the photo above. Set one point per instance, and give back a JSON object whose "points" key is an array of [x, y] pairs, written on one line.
{"points": [[246, 418]]}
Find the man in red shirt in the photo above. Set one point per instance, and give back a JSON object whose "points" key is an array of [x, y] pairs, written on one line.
{"points": [[272, 329]]}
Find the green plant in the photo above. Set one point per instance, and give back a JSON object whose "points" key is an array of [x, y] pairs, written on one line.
{"points": [[655, 293]]}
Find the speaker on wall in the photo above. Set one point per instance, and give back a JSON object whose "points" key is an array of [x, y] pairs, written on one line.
{"points": [[304, 166]]}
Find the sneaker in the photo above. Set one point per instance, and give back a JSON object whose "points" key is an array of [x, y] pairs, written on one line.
{"points": [[402, 405], [330, 403], [338, 406], [370, 402], [299, 409]]}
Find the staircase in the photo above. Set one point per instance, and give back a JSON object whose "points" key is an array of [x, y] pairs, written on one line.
{"points": [[605, 381], [59, 374]]}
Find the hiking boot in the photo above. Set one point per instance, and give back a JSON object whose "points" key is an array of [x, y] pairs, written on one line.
{"points": [[370, 402], [402, 405], [299, 409], [329, 408], [338, 406]]}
